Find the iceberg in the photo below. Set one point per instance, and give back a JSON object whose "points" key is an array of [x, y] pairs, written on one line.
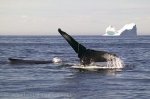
{"points": [[127, 30]]}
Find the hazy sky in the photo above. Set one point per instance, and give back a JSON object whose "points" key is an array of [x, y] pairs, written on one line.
{"points": [[85, 17]]}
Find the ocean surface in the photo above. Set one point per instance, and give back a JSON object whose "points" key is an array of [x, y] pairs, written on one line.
{"points": [[59, 81]]}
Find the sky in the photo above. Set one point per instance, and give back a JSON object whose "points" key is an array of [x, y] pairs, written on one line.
{"points": [[76, 17]]}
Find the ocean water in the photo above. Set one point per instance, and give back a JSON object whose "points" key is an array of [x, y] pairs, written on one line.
{"points": [[59, 81]]}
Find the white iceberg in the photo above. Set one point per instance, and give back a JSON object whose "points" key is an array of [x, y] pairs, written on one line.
{"points": [[127, 30]]}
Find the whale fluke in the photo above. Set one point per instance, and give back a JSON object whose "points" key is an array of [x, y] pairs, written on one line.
{"points": [[87, 56], [78, 48]]}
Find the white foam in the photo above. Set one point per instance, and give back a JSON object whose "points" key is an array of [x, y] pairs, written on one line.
{"points": [[114, 63], [56, 60]]}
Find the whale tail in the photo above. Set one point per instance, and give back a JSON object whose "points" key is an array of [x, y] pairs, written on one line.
{"points": [[78, 48], [87, 56]]}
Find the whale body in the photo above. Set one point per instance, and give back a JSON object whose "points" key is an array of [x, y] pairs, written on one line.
{"points": [[87, 56], [55, 60]]}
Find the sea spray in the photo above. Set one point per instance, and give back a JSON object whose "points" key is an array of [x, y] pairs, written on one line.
{"points": [[114, 62]]}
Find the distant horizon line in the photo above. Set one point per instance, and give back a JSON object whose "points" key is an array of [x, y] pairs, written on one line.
{"points": [[71, 34]]}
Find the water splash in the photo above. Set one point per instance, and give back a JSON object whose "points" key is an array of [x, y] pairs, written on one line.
{"points": [[56, 60], [112, 62], [116, 62]]}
